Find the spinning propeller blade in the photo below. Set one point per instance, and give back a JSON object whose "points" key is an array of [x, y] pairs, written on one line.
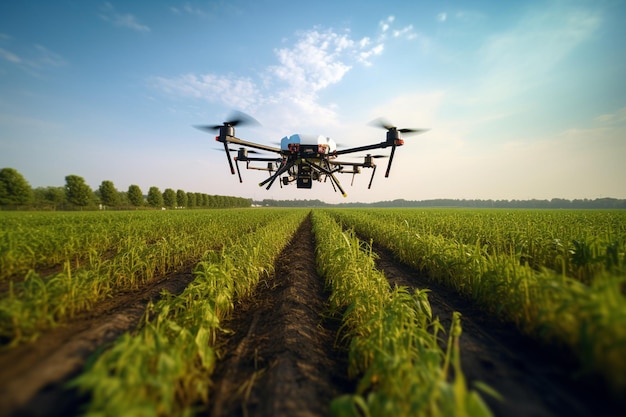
{"points": [[385, 124], [236, 118], [370, 156]]}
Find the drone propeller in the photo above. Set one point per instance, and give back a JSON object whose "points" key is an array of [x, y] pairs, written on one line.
{"points": [[369, 156], [394, 137], [227, 130], [237, 118], [237, 150], [385, 124]]}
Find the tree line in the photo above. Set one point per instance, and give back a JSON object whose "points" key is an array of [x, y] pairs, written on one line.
{"points": [[554, 203], [16, 192]]}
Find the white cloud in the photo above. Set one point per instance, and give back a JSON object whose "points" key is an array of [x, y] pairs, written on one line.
{"points": [[109, 14], [386, 24], [385, 27], [613, 118], [233, 91], [469, 16], [31, 59], [189, 9], [315, 62], [48, 58], [406, 32], [9, 56], [318, 59], [441, 17], [364, 56]]}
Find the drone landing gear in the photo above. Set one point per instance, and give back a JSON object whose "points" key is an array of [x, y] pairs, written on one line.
{"points": [[230, 162], [372, 177], [330, 174], [284, 168]]}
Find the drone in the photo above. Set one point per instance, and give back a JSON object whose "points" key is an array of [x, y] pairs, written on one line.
{"points": [[303, 158]]}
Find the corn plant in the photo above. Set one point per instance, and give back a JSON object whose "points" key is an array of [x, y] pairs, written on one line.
{"points": [[586, 317], [171, 241], [164, 369], [392, 337]]}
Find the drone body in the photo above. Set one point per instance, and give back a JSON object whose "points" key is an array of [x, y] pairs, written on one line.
{"points": [[303, 158], [309, 141]]}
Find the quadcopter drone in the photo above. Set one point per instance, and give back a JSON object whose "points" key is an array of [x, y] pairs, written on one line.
{"points": [[303, 158]]}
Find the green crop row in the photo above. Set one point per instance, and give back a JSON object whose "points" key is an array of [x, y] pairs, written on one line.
{"points": [[164, 369], [588, 319], [392, 336], [582, 244], [140, 254], [43, 241]]}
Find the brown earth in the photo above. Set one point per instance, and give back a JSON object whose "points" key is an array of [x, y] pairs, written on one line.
{"points": [[279, 357], [281, 360]]}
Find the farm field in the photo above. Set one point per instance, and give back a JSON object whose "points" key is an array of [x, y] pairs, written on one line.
{"points": [[313, 312]]}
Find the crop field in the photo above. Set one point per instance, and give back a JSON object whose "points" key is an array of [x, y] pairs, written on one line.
{"points": [[299, 312]]}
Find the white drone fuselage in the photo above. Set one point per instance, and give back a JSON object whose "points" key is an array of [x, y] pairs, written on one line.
{"points": [[324, 143]]}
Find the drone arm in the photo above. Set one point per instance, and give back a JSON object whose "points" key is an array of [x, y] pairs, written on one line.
{"points": [[241, 142], [362, 148], [339, 164], [254, 159]]}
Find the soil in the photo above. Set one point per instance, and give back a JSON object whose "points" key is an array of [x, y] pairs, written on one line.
{"points": [[278, 355]]}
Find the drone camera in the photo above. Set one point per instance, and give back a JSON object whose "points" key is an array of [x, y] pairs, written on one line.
{"points": [[304, 179], [309, 150]]}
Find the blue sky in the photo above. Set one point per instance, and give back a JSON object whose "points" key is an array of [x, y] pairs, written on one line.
{"points": [[524, 99]]}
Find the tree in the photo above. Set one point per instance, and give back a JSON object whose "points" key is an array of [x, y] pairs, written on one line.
{"points": [[155, 198], [49, 197], [181, 198], [14, 189], [199, 200], [169, 198], [135, 196], [109, 194], [191, 200], [77, 191], [123, 197]]}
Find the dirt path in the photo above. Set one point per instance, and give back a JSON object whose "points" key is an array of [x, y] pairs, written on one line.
{"points": [[281, 360], [32, 376], [535, 380]]}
